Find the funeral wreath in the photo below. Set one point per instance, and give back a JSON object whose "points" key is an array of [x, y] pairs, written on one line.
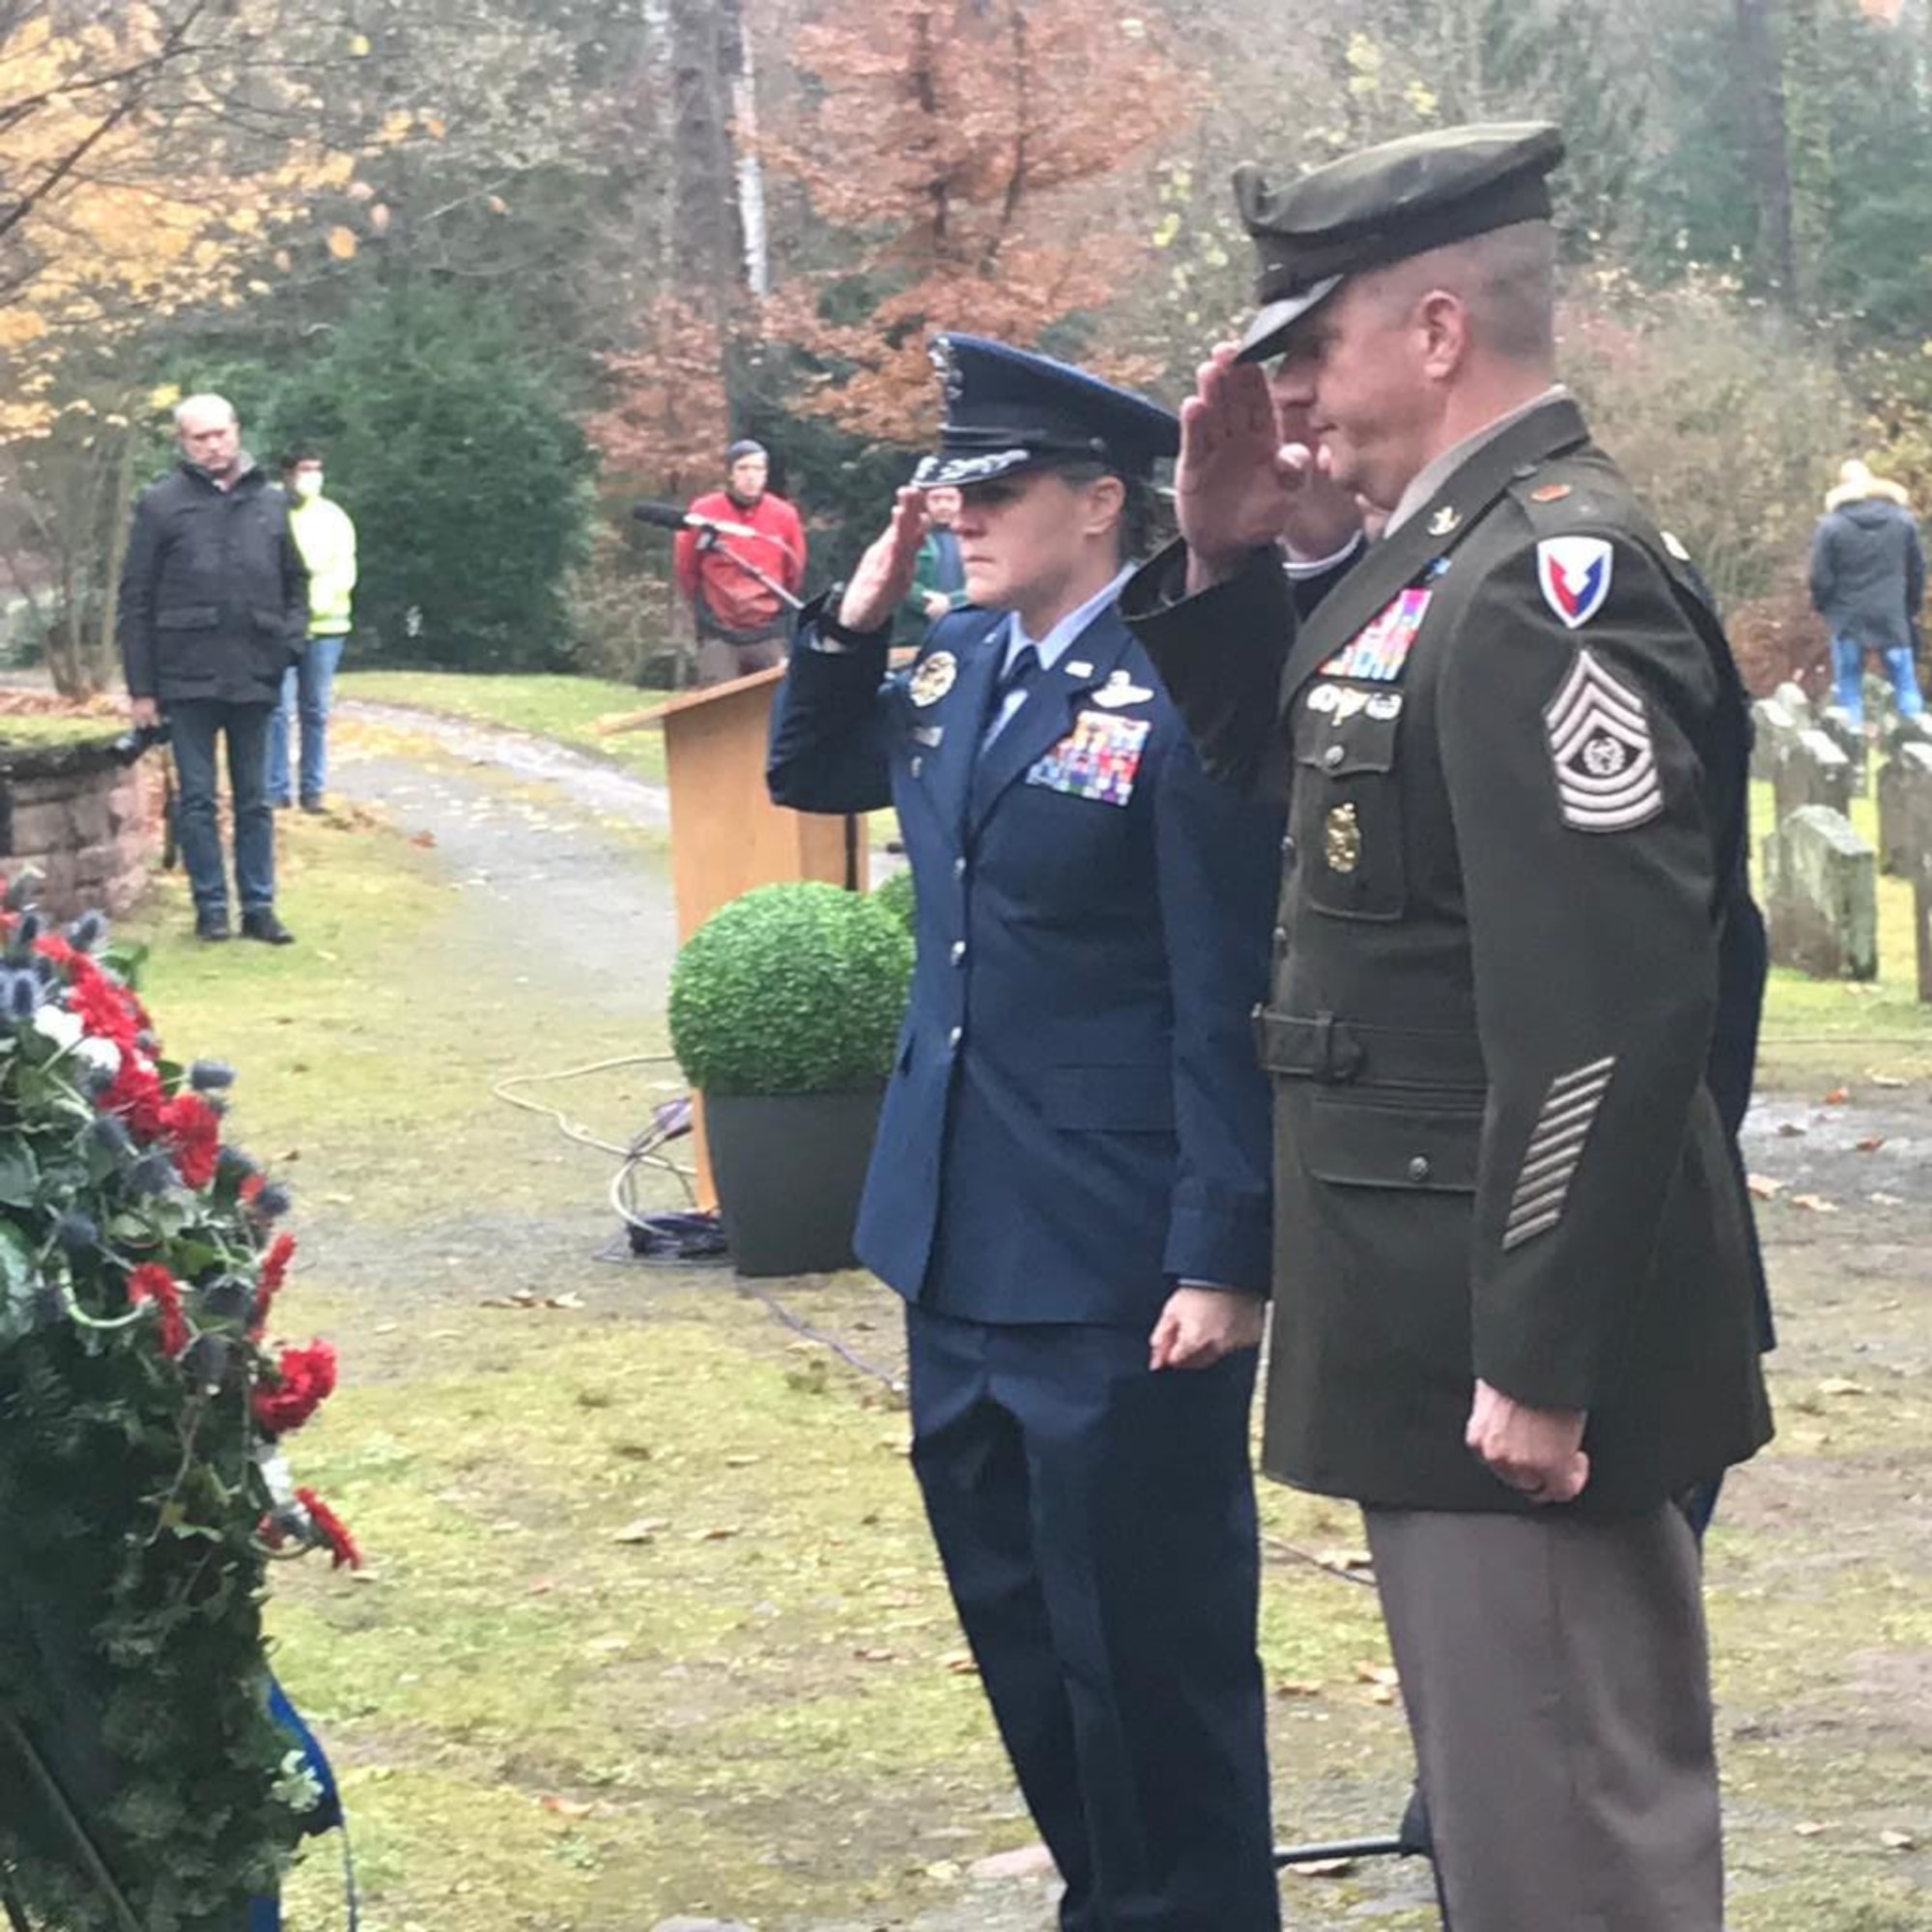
{"points": [[142, 1489]]}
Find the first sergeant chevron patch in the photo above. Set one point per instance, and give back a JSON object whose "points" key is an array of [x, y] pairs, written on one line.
{"points": [[1599, 741]]}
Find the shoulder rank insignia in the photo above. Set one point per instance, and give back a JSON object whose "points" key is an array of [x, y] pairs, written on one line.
{"points": [[1606, 776], [1574, 573], [1674, 544], [1549, 493], [1446, 522], [1379, 651], [934, 678]]}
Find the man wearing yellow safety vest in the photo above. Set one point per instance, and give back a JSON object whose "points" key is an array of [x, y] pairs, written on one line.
{"points": [[327, 539]]}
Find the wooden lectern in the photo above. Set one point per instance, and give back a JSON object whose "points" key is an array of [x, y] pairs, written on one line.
{"points": [[727, 835]]}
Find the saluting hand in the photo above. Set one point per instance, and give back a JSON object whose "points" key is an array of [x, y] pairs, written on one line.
{"points": [[1536, 1451], [1234, 486], [883, 580], [1201, 1326]]}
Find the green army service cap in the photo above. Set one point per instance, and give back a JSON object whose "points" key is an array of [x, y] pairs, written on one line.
{"points": [[1382, 204]]}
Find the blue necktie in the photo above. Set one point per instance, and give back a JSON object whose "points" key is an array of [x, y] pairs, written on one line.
{"points": [[1022, 675]]}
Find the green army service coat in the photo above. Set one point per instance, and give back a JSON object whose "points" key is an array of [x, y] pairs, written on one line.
{"points": [[1511, 738]]}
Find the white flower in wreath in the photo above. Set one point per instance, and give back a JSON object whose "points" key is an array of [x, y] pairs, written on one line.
{"points": [[99, 1056], [63, 1027]]}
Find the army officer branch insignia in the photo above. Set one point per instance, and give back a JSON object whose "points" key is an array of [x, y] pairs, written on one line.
{"points": [[1599, 742], [934, 678]]}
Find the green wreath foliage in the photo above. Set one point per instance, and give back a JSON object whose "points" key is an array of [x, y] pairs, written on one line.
{"points": [[797, 988], [141, 1493]]}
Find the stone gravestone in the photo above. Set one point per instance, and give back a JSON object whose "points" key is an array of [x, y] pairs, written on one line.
{"points": [[1774, 727], [1823, 889], [1921, 909], [1908, 731], [1835, 721], [1792, 698], [1812, 771], [1905, 811]]}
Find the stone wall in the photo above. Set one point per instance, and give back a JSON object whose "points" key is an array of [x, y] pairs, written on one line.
{"points": [[89, 825]]}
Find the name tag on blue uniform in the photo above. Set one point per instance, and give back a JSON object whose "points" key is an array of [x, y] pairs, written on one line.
{"points": [[1099, 758]]}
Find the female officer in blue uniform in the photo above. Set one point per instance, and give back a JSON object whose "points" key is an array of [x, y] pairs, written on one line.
{"points": [[1071, 1183]]}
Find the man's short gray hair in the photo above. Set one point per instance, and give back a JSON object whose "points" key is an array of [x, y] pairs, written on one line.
{"points": [[205, 404], [1507, 281]]}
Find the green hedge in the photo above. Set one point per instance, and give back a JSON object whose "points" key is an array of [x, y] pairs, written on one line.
{"points": [[791, 989], [898, 897]]}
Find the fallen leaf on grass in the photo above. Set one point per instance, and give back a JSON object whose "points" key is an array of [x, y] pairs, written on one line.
{"points": [[644, 1530], [1809, 1828], [566, 1807], [1886, 1201], [1763, 1187], [741, 1461], [1814, 1203], [1871, 1144], [1322, 1867], [960, 1663], [1887, 1080], [874, 1655], [1841, 1385], [1377, 1673], [1790, 1130], [720, 1533], [1838, 1096], [529, 1297], [1897, 1841], [1297, 1687], [1345, 1560], [426, 839]]}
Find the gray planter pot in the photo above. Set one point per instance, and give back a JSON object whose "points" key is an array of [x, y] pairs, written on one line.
{"points": [[790, 1168]]}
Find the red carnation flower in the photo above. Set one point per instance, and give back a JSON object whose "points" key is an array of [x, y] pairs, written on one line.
{"points": [[252, 1186], [106, 1010], [52, 945], [150, 1282], [274, 1272], [332, 1530], [192, 1130], [136, 1095], [305, 1380]]}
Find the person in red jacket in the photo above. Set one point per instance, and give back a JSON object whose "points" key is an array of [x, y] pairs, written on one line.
{"points": [[741, 621]]}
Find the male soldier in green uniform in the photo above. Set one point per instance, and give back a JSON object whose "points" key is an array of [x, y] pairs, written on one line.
{"points": [[1514, 1295]]}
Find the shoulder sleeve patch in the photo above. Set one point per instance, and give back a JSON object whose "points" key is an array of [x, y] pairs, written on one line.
{"points": [[1599, 744], [1574, 576]]}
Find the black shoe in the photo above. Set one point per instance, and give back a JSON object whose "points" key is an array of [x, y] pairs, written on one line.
{"points": [[263, 924], [212, 927]]}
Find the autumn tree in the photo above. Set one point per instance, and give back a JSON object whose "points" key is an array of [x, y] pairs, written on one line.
{"points": [[955, 156]]}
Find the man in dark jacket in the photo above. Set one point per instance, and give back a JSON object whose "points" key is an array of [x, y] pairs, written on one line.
{"points": [[213, 610], [1867, 582]]}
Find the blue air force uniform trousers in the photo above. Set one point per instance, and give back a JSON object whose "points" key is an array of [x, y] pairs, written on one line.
{"points": [[1076, 1123]]}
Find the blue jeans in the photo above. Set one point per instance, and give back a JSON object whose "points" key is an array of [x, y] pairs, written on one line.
{"points": [[197, 724], [307, 692], [1848, 662]]}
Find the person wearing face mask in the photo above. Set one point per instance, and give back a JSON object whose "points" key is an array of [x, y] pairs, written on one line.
{"points": [[1070, 1185], [327, 538]]}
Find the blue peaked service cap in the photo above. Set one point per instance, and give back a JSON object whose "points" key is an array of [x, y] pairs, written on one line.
{"points": [[1008, 410]]}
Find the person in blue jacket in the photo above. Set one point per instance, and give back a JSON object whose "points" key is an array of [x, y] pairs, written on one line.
{"points": [[1071, 1187]]}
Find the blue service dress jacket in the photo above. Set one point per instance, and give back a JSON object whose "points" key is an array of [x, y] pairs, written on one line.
{"points": [[1076, 1119]]}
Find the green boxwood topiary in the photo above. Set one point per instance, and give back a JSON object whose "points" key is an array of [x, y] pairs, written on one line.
{"points": [[898, 896], [796, 989]]}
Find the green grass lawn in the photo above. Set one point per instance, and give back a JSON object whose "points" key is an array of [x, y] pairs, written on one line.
{"points": [[567, 709]]}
